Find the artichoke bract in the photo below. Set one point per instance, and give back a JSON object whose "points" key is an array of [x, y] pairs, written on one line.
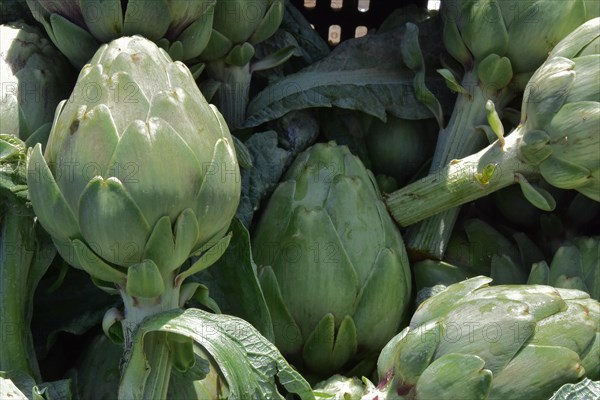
{"points": [[557, 140], [333, 265], [474, 341], [139, 173], [79, 27], [34, 78]]}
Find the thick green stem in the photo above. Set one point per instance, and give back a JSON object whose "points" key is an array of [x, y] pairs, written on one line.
{"points": [[464, 180], [17, 251], [458, 139], [234, 93], [155, 345]]}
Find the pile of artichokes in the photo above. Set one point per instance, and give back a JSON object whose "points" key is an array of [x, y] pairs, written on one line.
{"points": [[208, 200]]}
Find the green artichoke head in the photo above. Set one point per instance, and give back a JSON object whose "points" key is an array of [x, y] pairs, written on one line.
{"points": [[474, 341], [512, 36], [333, 264], [561, 114], [400, 147], [34, 78], [79, 27], [139, 172], [239, 25]]}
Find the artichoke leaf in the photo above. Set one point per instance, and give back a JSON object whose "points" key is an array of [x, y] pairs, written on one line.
{"points": [[186, 236], [455, 376], [73, 41], [324, 350], [540, 274], [160, 246], [441, 303], [196, 36], [208, 258], [537, 196], [235, 287], [103, 19], [288, 337], [541, 370], [57, 217], [95, 266], [269, 24], [379, 289], [248, 362], [142, 19], [493, 329], [144, 280], [112, 221]]}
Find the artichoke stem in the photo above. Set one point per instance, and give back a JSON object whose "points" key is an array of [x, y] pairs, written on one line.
{"points": [[458, 139], [17, 244], [234, 93], [461, 181], [155, 345]]}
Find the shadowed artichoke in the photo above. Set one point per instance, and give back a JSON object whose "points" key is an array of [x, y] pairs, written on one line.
{"points": [[79, 27], [333, 265], [139, 174], [558, 140], [473, 341], [34, 78], [239, 25], [573, 266]]}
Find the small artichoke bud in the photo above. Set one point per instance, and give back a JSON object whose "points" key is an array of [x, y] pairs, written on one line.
{"points": [[495, 72]]}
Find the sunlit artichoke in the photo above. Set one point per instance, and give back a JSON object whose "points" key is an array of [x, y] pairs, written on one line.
{"points": [[499, 43], [34, 78], [573, 266], [79, 27], [332, 263], [474, 341], [139, 173], [557, 140]]}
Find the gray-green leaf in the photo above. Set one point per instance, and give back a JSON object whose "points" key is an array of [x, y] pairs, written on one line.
{"points": [[366, 74], [251, 365]]}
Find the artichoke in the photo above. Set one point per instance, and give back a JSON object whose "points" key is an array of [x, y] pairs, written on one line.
{"points": [[474, 341], [79, 27], [34, 77], [574, 266], [398, 148], [557, 140], [139, 173], [499, 44], [333, 266], [238, 26]]}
